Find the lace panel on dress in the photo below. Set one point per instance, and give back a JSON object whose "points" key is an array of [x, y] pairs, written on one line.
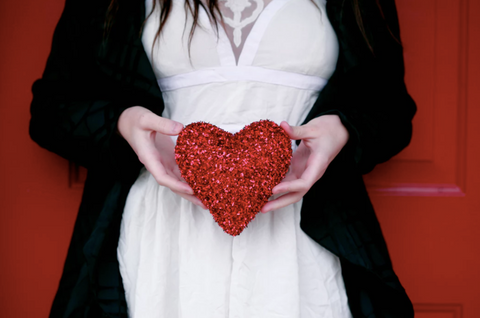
{"points": [[239, 16]]}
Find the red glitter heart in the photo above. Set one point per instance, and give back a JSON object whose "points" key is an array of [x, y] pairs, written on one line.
{"points": [[233, 174]]}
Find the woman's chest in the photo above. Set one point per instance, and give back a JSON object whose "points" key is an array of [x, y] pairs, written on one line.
{"points": [[286, 35]]}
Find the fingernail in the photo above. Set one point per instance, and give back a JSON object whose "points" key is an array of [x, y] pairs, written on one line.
{"points": [[177, 128], [200, 204]]}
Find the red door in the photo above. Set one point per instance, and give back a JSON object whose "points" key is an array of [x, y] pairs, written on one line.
{"points": [[427, 198], [37, 204]]}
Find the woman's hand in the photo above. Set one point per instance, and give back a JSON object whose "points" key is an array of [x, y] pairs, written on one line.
{"points": [[322, 139], [148, 135]]}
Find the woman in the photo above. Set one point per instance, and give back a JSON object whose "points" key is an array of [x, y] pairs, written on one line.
{"points": [[85, 108]]}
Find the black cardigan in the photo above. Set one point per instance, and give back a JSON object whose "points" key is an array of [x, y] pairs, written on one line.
{"points": [[91, 78]]}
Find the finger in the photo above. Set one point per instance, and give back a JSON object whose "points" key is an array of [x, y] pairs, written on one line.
{"points": [[282, 201], [291, 186], [150, 121], [192, 199], [176, 172], [162, 177], [298, 132], [294, 173], [280, 188], [289, 177], [311, 174], [315, 168], [173, 183], [173, 170], [299, 160]]}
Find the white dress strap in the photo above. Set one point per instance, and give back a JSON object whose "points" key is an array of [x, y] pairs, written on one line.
{"points": [[253, 40], [224, 49]]}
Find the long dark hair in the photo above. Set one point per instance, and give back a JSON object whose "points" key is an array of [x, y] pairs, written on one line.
{"points": [[212, 8], [359, 19], [165, 9]]}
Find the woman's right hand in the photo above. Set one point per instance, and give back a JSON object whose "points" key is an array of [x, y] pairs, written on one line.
{"points": [[148, 135]]}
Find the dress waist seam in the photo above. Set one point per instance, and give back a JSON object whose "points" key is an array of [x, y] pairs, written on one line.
{"points": [[225, 74]]}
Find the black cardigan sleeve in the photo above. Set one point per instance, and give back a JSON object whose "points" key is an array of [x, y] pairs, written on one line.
{"points": [[75, 105], [367, 90]]}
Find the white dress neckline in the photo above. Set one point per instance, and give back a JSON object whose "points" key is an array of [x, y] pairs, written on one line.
{"points": [[230, 71], [252, 42]]}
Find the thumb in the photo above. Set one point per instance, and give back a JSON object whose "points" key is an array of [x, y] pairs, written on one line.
{"points": [[297, 132]]}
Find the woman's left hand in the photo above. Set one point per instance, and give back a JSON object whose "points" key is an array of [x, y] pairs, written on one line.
{"points": [[322, 139]]}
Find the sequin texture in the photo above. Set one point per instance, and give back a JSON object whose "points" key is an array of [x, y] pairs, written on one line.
{"points": [[233, 174]]}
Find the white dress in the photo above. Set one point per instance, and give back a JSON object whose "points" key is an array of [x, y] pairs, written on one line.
{"points": [[174, 259]]}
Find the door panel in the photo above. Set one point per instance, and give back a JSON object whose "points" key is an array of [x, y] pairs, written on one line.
{"points": [[436, 68], [427, 197], [37, 207]]}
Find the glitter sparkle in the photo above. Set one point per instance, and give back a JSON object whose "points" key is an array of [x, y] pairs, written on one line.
{"points": [[233, 174]]}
